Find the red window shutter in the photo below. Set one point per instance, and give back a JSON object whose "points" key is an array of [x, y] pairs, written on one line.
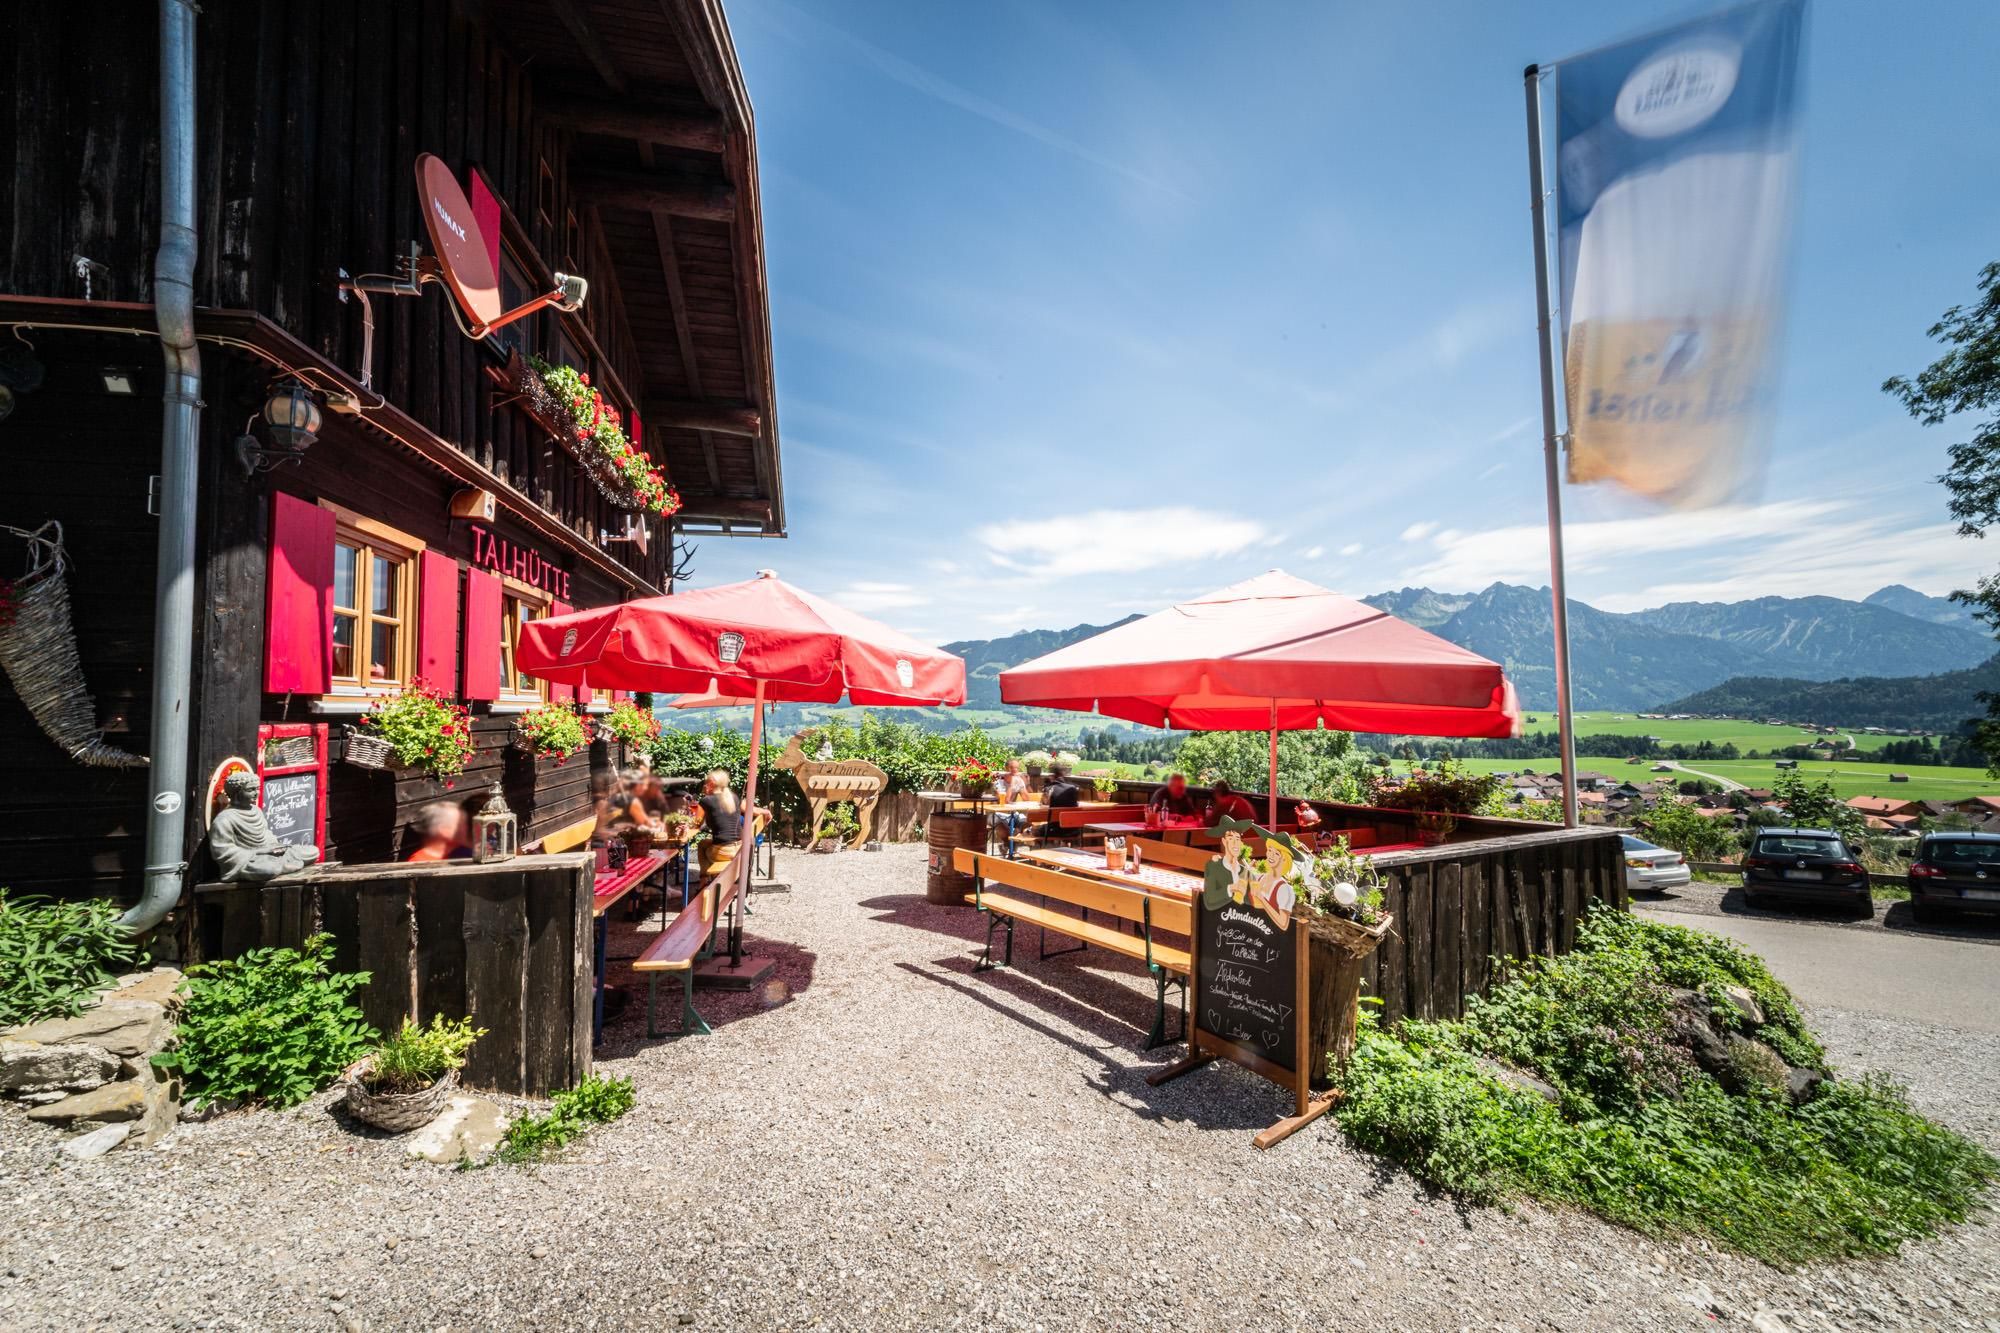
{"points": [[560, 693], [620, 696], [298, 598], [482, 635], [437, 621], [486, 212]]}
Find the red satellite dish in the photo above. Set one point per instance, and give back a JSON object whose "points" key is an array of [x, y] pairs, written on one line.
{"points": [[461, 251]]}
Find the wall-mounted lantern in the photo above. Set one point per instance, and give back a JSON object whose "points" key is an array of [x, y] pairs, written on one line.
{"points": [[290, 417]]}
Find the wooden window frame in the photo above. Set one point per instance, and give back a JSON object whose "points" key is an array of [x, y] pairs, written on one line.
{"points": [[513, 594], [370, 539]]}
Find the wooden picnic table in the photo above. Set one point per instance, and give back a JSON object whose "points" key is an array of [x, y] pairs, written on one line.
{"points": [[1151, 878], [609, 888]]}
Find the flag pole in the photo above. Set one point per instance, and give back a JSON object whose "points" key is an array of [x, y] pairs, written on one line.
{"points": [[1551, 468]]}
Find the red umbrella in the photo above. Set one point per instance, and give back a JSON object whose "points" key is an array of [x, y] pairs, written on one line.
{"points": [[1274, 653], [754, 641]]}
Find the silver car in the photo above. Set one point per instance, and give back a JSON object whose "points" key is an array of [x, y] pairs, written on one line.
{"points": [[1650, 868]]}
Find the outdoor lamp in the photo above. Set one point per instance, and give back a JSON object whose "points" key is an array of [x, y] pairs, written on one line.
{"points": [[291, 421], [495, 830]]}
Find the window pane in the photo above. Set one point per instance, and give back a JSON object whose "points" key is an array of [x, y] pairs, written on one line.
{"points": [[382, 652], [346, 565], [382, 587], [343, 647]]}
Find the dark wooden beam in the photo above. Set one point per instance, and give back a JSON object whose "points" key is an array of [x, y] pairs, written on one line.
{"points": [[668, 127], [722, 418], [593, 47], [644, 190], [670, 272], [730, 511]]}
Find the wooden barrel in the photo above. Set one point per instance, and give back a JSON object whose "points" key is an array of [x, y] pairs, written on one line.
{"points": [[950, 830]]}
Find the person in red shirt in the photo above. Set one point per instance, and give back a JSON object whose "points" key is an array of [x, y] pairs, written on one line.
{"points": [[441, 826], [1228, 805]]}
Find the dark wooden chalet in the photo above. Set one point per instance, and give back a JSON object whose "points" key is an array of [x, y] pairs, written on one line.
{"points": [[610, 139]]}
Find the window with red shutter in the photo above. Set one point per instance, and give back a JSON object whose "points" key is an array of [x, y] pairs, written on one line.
{"points": [[437, 621], [298, 600], [483, 631]]}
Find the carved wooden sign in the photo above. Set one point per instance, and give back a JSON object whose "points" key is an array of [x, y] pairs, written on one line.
{"points": [[825, 781]]}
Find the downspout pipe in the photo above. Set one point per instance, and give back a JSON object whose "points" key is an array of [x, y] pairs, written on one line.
{"points": [[174, 609]]}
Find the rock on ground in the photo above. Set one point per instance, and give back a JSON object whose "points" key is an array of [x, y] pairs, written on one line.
{"points": [[883, 1138]]}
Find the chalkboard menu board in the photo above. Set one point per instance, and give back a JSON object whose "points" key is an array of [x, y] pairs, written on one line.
{"points": [[291, 807], [1246, 987]]}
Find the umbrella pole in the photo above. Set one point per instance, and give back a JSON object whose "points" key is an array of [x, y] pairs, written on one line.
{"points": [[1271, 796], [748, 833]]}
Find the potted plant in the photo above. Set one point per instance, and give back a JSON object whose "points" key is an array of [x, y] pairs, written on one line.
{"points": [[405, 1083], [1035, 761], [839, 825], [1105, 787], [419, 730], [553, 731], [973, 776], [1343, 900], [679, 826], [630, 723], [1434, 827]]}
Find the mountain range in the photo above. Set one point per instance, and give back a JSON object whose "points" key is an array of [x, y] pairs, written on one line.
{"points": [[1637, 659]]}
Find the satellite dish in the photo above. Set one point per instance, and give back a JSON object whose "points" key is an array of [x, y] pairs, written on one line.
{"points": [[460, 247]]}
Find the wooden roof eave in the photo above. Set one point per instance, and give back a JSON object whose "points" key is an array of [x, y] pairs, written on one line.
{"points": [[249, 331]]}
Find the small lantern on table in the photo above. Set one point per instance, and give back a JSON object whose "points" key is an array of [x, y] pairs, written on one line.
{"points": [[495, 830]]}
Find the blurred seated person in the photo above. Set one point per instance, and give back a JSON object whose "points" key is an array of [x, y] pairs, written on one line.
{"points": [[1010, 785], [1172, 800], [646, 797], [441, 828], [722, 819], [608, 804], [1227, 804], [1059, 794]]}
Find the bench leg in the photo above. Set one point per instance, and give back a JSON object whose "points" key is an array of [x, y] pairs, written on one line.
{"points": [[986, 962], [690, 1020], [652, 995]]}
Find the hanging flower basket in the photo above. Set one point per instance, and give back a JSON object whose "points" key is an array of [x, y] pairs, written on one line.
{"points": [[553, 731], [366, 751], [562, 402], [420, 730]]}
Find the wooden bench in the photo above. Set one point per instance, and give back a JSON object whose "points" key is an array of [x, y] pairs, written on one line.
{"points": [[679, 947], [1167, 964], [569, 836]]}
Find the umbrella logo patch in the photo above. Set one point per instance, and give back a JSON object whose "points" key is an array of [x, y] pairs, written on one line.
{"points": [[568, 644], [906, 675], [729, 646]]}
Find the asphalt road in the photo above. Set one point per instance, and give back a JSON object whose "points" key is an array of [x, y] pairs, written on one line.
{"points": [[1948, 975]]}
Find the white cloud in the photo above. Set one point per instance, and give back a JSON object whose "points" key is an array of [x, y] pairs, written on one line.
{"points": [[1789, 548], [1416, 532], [1352, 549], [864, 595], [1509, 432], [1312, 553], [1117, 541]]}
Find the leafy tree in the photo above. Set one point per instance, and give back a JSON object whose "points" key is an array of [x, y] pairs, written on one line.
{"points": [[1967, 379], [1694, 835], [1316, 764], [1817, 805]]}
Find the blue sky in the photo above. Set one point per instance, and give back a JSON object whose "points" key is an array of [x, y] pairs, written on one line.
{"points": [[1080, 309]]}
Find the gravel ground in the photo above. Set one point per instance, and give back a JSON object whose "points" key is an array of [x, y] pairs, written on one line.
{"points": [[884, 1138]]}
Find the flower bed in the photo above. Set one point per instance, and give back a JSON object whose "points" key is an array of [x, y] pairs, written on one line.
{"points": [[562, 402]]}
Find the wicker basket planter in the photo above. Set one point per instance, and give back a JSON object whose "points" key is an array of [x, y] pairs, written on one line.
{"points": [[364, 750], [396, 1112], [1340, 949], [1351, 937]]}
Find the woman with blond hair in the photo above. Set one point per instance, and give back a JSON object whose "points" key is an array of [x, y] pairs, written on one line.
{"points": [[722, 819]]}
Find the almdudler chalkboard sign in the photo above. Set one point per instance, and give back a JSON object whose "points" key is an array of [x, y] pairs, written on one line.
{"points": [[1250, 975]]}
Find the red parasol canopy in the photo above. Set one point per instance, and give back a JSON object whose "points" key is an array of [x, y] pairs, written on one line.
{"points": [[732, 639], [1219, 662], [758, 641], [1274, 653]]}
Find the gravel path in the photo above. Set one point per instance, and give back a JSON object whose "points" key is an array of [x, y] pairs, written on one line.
{"points": [[885, 1139]]}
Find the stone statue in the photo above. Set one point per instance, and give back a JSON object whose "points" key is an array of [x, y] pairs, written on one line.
{"points": [[244, 848]]}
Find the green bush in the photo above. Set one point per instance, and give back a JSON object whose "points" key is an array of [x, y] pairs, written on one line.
{"points": [[1639, 1134], [56, 956], [414, 1058], [596, 1100], [274, 1026]]}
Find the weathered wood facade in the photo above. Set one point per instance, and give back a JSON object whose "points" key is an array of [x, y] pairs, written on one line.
{"points": [[614, 141]]}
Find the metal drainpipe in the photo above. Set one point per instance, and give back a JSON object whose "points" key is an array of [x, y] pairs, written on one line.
{"points": [[173, 629]]}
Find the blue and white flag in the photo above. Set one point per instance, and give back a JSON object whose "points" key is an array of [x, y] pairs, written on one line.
{"points": [[1676, 157]]}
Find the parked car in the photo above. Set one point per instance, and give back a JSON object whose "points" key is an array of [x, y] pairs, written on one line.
{"points": [[1651, 868], [1807, 864], [1955, 872]]}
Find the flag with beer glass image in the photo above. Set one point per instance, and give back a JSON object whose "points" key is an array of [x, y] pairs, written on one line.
{"points": [[1676, 157]]}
